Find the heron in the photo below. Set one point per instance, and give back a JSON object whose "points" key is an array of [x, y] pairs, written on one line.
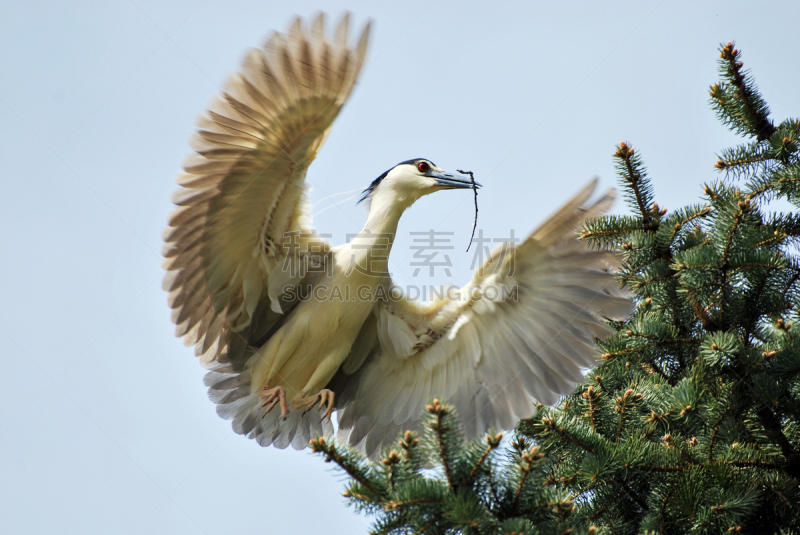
{"points": [[251, 283]]}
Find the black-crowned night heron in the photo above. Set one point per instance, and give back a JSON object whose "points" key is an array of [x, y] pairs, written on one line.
{"points": [[261, 296]]}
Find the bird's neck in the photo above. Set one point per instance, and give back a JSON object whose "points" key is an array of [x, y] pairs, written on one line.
{"points": [[376, 238], [384, 214]]}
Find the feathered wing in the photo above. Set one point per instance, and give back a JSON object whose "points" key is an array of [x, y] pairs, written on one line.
{"points": [[520, 332], [242, 230]]}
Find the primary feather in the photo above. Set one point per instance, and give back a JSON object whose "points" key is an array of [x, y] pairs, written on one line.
{"points": [[241, 193]]}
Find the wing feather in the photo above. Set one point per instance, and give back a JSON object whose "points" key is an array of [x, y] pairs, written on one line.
{"points": [[241, 193], [522, 331]]}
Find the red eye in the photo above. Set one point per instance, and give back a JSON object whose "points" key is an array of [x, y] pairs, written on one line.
{"points": [[423, 167]]}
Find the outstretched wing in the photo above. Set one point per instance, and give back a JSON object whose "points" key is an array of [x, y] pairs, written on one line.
{"points": [[243, 221], [522, 331]]}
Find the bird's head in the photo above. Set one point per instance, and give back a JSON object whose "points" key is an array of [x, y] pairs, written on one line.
{"points": [[408, 181]]}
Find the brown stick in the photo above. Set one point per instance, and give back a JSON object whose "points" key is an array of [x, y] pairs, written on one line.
{"points": [[475, 189]]}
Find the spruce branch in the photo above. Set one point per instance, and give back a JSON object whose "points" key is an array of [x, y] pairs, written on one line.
{"points": [[637, 349], [409, 443], [565, 504], [634, 496], [593, 398], [392, 505], [429, 524], [440, 412], [632, 173], [756, 108], [740, 106], [656, 468], [774, 430], [685, 220], [344, 461], [493, 442], [550, 425], [390, 461], [525, 466], [606, 505], [623, 402], [663, 510], [755, 462], [728, 164], [781, 181], [599, 380], [737, 219], [714, 436]]}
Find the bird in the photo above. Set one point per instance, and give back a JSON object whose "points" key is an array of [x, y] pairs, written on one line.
{"points": [[252, 285]]}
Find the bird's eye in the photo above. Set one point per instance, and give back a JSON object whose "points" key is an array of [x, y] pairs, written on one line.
{"points": [[423, 167]]}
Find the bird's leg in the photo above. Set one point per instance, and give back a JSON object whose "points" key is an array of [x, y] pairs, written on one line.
{"points": [[273, 397], [324, 397]]}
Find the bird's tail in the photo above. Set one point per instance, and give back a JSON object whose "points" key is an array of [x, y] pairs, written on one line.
{"points": [[230, 390]]}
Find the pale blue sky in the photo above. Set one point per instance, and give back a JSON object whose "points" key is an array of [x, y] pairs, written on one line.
{"points": [[105, 426]]}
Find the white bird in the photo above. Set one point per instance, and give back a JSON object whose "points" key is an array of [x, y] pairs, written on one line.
{"points": [[269, 305]]}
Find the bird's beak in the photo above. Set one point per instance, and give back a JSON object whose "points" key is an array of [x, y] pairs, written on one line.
{"points": [[451, 181]]}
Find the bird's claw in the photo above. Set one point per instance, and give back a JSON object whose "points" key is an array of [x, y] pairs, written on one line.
{"points": [[272, 397], [323, 399]]}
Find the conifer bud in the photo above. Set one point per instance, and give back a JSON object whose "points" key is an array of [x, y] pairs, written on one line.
{"points": [[437, 408], [317, 444], [520, 444], [393, 458], [623, 151], [494, 441]]}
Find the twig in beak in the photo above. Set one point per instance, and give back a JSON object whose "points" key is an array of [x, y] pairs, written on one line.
{"points": [[475, 189]]}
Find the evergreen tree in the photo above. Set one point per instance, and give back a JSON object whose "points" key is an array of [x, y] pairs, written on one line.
{"points": [[690, 424]]}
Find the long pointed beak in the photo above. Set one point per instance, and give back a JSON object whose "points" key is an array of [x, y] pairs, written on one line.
{"points": [[451, 181]]}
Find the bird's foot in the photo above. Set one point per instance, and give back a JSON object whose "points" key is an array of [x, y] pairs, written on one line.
{"points": [[272, 397], [324, 398]]}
